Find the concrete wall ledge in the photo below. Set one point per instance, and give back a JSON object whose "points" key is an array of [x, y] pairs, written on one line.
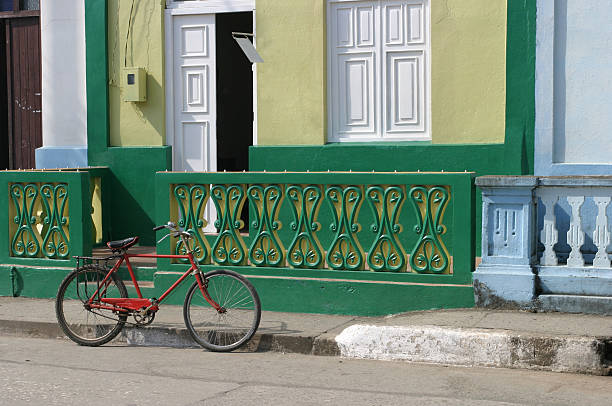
{"points": [[575, 181], [506, 181], [535, 181]]}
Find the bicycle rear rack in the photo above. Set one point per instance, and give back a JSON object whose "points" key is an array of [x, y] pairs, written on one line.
{"points": [[97, 261]]}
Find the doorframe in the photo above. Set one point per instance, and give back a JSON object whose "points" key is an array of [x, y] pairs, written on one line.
{"points": [[197, 8]]}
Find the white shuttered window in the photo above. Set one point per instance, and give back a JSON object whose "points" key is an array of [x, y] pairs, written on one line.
{"points": [[378, 70]]}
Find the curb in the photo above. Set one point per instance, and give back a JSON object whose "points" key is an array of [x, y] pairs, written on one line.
{"points": [[425, 344], [160, 336], [477, 347]]}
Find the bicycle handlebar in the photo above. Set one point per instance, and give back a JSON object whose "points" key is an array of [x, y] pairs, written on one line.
{"points": [[175, 230]]}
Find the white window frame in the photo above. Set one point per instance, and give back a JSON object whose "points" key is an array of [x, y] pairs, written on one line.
{"points": [[380, 122]]}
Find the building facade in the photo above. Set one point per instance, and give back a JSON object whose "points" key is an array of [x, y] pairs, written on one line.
{"points": [[425, 93]]}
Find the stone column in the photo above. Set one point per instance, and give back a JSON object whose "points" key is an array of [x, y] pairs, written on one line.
{"points": [[64, 96], [505, 277]]}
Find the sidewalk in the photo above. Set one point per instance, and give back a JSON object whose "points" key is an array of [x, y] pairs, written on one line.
{"points": [[468, 337]]}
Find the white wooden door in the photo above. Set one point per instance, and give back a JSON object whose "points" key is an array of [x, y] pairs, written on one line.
{"points": [[378, 72], [194, 89]]}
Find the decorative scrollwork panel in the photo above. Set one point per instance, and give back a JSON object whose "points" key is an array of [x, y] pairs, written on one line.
{"points": [[41, 221], [266, 248], [305, 250], [229, 247], [55, 241], [386, 252], [345, 251], [191, 201], [429, 254]]}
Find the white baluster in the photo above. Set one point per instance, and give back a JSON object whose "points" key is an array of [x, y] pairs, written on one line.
{"points": [[601, 236], [575, 236], [549, 235]]}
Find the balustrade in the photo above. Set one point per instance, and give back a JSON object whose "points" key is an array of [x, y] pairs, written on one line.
{"points": [[561, 246], [583, 212], [50, 215], [349, 222]]}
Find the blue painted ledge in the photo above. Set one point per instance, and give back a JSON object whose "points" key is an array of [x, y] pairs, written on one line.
{"points": [[61, 157]]}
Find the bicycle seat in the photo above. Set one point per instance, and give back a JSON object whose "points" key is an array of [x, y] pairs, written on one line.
{"points": [[122, 244]]}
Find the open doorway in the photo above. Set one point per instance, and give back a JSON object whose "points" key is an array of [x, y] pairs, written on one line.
{"points": [[234, 93], [211, 92], [210, 124]]}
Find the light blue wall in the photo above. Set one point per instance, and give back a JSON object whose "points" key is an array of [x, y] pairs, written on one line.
{"points": [[61, 157], [573, 86]]}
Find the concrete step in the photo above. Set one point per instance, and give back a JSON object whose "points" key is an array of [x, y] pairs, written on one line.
{"points": [[576, 304]]}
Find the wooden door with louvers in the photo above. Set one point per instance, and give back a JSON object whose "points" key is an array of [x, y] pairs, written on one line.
{"points": [[24, 90]]}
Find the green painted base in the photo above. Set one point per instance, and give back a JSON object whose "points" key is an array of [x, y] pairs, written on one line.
{"points": [[300, 295], [43, 282], [309, 295], [31, 281]]}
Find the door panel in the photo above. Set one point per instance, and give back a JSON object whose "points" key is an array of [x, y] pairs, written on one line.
{"points": [[194, 93], [24, 91], [378, 69], [194, 144]]}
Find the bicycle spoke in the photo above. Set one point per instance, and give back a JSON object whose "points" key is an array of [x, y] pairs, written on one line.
{"points": [[237, 320], [84, 325]]}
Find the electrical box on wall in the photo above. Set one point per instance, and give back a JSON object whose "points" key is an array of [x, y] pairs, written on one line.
{"points": [[134, 83]]}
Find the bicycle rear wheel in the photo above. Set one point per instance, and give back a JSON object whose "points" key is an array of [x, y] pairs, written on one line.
{"points": [[232, 326], [82, 324]]}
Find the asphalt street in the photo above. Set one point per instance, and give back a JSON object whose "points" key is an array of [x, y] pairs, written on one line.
{"points": [[59, 372]]}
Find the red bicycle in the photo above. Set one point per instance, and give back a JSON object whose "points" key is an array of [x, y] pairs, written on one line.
{"points": [[221, 310]]}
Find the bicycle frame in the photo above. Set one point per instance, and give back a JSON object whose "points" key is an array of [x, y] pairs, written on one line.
{"points": [[123, 304]]}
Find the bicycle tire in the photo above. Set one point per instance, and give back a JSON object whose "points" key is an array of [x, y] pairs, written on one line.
{"points": [[89, 327], [227, 330]]}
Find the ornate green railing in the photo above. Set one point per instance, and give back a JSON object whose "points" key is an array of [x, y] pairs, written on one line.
{"points": [[409, 223], [50, 215]]}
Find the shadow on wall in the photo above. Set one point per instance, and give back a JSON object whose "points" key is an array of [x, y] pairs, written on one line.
{"points": [[128, 209]]}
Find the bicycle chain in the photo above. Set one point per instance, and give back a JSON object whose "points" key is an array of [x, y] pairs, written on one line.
{"points": [[117, 319]]}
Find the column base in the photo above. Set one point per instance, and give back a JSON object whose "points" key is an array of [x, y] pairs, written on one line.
{"points": [[61, 157], [504, 286]]}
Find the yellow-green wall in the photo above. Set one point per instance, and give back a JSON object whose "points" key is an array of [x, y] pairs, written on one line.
{"points": [[468, 71], [136, 124], [291, 92]]}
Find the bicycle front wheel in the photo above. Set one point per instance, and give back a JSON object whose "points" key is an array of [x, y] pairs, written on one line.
{"points": [[234, 323], [82, 324]]}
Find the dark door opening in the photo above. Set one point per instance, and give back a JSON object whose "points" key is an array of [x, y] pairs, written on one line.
{"points": [[20, 91], [234, 93]]}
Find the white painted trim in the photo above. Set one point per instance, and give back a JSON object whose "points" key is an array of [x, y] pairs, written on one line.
{"points": [[169, 79], [209, 7]]}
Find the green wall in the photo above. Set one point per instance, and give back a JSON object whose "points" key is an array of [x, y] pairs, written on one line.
{"points": [[131, 185]]}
